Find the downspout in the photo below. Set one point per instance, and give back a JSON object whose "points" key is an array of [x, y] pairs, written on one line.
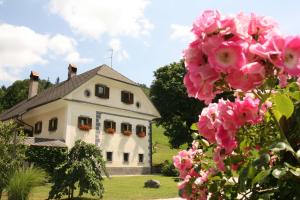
{"points": [[150, 146]]}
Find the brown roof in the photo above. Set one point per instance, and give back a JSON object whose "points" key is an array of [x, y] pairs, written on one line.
{"points": [[62, 89]]}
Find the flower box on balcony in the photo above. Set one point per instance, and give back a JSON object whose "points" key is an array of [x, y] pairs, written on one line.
{"points": [[110, 130], [84, 127], [141, 134], [127, 133]]}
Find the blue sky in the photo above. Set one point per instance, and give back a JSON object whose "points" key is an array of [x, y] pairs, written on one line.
{"points": [[46, 35]]}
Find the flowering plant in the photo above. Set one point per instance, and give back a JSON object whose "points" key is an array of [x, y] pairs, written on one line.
{"points": [[127, 133], [110, 130], [84, 127], [247, 148], [141, 134]]}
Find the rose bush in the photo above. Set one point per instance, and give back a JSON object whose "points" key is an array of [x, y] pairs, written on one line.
{"points": [[247, 148]]}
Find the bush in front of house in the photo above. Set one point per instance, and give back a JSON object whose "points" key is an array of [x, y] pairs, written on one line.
{"points": [[84, 168], [168, 169], [47, 158], [22, 181], [12, 151]]}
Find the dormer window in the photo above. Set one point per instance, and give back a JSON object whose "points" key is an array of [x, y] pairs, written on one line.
{"points": [[84, 123], [38, 127], [127, 97], [102, 91], [52, 124]]}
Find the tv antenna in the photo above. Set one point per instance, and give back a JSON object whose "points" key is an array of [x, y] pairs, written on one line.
{"points": [[111, 57]]}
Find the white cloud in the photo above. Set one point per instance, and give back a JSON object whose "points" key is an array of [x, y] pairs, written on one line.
{"points": [[21, 47], [93, 18], [180, 32], [118, 51]]}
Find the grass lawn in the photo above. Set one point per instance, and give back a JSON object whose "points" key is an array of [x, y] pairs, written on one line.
{"points": [[163, 149], [125, 188]]}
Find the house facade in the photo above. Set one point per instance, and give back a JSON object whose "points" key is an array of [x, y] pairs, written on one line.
{"points": [[101, 107]]}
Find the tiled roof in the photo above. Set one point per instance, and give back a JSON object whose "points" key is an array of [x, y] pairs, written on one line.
{"points": [[62, 89]]}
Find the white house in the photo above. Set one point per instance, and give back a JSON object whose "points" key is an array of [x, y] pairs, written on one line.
{"points": [[101, 107]]}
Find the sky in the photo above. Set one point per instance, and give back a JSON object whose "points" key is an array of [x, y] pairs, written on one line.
{"points": [[46, 35]]}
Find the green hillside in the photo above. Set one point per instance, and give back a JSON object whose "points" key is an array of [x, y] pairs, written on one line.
{"points": [[163, 150]]}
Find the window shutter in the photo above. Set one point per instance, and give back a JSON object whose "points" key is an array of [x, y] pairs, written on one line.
{"points": [[138, 129], [130, 127], [105, 125], [131, 98], [55, 123], [114, 125], [79, 120], [122, 127], [123, 96], [106, 92], [89, 121], [96, 90]]}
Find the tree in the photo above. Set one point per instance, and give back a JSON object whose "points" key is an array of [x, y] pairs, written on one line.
{"points": [[12, 151], [178, 111], [84, 167], [18, 92]]}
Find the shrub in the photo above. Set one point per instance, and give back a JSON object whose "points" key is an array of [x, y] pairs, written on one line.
{"points": [[22, 182], [168, 169], [47, 158], [12, 151], [84, 168]]}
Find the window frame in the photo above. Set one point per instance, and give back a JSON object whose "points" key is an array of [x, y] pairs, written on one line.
{"points": [[127, 97], [140, 128], [128, 156], [38, 127], [105, 94], [87, 124], [53, 123], [128, 130], [139, 158], [111, 158], [112, 126]]}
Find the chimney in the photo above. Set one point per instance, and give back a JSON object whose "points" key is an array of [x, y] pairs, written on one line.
{"points": [[33, 84], [72, 69]]}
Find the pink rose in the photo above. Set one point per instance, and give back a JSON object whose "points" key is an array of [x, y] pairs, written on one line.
{"points": [[193, 55], [227, 57], [291, 56], [226, 139], [250, 76], [208, 22]]}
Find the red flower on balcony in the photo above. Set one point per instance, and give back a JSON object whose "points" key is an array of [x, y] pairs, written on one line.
{"points": [[141, 134], [110, 130], [84, 127], [127, 133]]}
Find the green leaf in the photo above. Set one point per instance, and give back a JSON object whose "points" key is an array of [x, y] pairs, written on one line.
{"points": [[295, 95], [260, 176], [283, 105], [194, 127]]}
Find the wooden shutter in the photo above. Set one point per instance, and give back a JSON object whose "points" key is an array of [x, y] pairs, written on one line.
{"points": [[55, 123], [79, 121], [131, 98], [138, 129], [122, 127], [89, 122], [130, 127], [114, 125], [106, 92], [123, 96], [96, 91]]}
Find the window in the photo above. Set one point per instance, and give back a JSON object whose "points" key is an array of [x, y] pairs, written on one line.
{"points": [[126, 129], [127, 97], [38, 127], [102, 91], [140, 129], [87, 93], [141, 158], [52, 124], [125, 157], [109, 156], [84, 123], [109, 126]]}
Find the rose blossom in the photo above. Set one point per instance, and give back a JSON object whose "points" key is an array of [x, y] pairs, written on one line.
{"points": [[291, 56]]}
